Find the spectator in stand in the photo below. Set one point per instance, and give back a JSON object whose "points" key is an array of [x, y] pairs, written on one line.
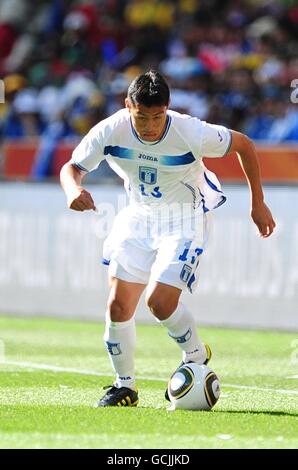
{"points": [[70, 112], [12, 84], [275, 120], [23, 119]]}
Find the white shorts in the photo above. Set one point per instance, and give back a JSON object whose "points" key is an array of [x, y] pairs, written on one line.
{"points": [[140, 249]]}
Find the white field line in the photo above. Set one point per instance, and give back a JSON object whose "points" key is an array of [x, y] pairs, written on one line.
{"points": [[292, 377], [33, 365], [261, 389]]}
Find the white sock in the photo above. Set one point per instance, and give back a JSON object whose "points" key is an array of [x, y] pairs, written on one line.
{"points": [[182, 328], [120, 340]]}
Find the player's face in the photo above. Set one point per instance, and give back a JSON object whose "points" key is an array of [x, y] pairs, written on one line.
{"points": [[149, 123]]}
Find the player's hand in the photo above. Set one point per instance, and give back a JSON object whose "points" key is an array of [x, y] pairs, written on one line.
{"points": [[263, 219], [80, 200]]}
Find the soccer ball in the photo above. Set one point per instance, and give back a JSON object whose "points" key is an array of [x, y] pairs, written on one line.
{"points": [[193, 387]]}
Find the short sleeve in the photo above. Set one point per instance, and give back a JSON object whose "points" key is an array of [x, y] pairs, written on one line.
{"points": [[88, 154], [216, 140]]}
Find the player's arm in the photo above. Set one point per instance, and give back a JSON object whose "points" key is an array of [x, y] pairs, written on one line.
{"points": [[248, 159], [77, 197]]}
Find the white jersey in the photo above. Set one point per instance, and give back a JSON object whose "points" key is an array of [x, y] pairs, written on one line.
{"points": [[160, 173]]}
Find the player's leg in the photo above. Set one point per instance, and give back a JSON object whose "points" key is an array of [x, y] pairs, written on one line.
{"points": [[120, 340], [176, 269], [120, 331], [130, 258], [163, 301]]}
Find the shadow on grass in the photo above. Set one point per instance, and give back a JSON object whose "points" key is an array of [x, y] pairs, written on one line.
{"points": [[258, 412], [217, 411]]}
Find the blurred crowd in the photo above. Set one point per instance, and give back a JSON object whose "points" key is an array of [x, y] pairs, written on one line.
{"points": [[66, 64]]}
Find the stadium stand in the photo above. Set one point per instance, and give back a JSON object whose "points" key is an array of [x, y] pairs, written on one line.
{"points": [[66, 64]]}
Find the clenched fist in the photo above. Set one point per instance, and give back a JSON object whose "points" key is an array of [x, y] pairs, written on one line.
{"points": [[80, 200]]}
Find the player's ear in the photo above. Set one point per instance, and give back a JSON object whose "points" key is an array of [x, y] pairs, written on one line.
{"points": [[127, 103]]}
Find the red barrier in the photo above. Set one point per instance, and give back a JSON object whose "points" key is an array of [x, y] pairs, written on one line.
{"points": [[278, 164], [18, 159], [62, 155]]}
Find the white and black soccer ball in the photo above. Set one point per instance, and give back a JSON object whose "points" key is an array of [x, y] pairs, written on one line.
{"points": [[194, 387]]}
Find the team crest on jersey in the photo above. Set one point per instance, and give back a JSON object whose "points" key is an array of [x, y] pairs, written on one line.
{"points": [[148, 175]]}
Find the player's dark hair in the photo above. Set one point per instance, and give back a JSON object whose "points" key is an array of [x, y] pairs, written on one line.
{"points": [[149, 89]]}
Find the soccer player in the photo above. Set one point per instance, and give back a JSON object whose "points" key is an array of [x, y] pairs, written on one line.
{"points": [[157, 241]]}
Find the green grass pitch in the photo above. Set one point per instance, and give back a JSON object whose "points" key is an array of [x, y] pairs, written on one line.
{"points": [[52, 372]]}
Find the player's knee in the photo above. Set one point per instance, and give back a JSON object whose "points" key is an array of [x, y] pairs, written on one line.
{"points": [[118, 310], [161, 307]]}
